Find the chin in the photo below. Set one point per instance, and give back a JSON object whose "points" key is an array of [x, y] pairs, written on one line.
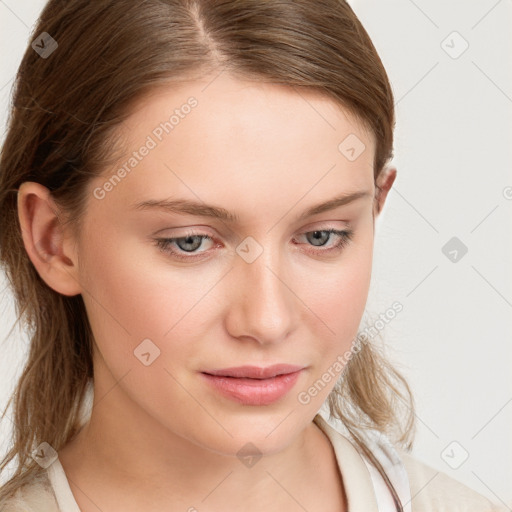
{"points": [[245, 433]]}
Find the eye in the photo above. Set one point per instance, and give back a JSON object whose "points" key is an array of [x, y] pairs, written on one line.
{"points": [[322, 236], [187, 244]]}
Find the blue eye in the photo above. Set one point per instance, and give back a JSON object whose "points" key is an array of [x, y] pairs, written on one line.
{"points": [[186, 244], [344, 237], [189, 243]]}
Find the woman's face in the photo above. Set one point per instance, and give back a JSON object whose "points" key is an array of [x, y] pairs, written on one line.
{"points": [[252, 279]]}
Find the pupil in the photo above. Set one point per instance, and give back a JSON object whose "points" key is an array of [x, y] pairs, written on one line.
{"points": [[190, 240], [318, 235]]}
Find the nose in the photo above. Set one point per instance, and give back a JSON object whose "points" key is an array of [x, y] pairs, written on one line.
{"points": [[261, 304]]}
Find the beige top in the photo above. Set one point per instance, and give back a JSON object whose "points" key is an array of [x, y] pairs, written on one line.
{"points": [[421, 488]]}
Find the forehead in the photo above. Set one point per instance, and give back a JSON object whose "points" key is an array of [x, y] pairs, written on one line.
{"points": [[223, 138]]}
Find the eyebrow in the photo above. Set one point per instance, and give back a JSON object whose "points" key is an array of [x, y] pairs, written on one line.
{"points": [[185, 206]]}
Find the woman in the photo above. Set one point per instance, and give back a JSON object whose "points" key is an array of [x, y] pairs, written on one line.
{"points": [[190, 191]]}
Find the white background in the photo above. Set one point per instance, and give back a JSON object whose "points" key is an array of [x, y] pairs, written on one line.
{"points": [[453, 339]]}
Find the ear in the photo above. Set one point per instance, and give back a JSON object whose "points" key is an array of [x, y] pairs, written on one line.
{"points": [[47, 246], [384, 183]]}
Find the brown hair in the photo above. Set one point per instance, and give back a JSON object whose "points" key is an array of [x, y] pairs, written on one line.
{"points": [[62, 132]]}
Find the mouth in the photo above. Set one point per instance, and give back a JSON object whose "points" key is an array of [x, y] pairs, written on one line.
{"points": [[256, 372], [250, 385]]}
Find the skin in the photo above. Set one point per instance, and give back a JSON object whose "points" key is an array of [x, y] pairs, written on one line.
{"points": [[159, 436]]}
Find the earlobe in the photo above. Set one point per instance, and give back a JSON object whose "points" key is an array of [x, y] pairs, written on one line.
{"points": [[44, 239], [385, 181]]}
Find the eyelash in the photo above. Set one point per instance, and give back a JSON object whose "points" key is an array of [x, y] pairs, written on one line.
{"points": [[164, 243]]}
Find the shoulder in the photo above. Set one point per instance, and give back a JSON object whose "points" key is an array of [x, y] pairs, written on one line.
{"points": [[35, 496], [433, 490]]}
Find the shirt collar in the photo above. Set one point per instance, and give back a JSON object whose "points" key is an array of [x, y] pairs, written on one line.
{"points": [[357, 480]]}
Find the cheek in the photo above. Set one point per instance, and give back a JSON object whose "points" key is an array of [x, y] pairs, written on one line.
{"points": [[338, 299], [133, 294], [338, 293], [119, 293], [335, 296]]}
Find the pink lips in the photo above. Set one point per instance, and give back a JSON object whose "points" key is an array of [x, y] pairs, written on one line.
{"points": [[251, 385]]}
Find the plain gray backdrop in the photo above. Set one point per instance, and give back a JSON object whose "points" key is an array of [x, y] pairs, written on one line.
{"points": [[443, 242]]}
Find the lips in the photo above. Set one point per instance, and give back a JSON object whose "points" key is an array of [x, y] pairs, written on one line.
{"points": [[255, 372], [252, 385]]}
